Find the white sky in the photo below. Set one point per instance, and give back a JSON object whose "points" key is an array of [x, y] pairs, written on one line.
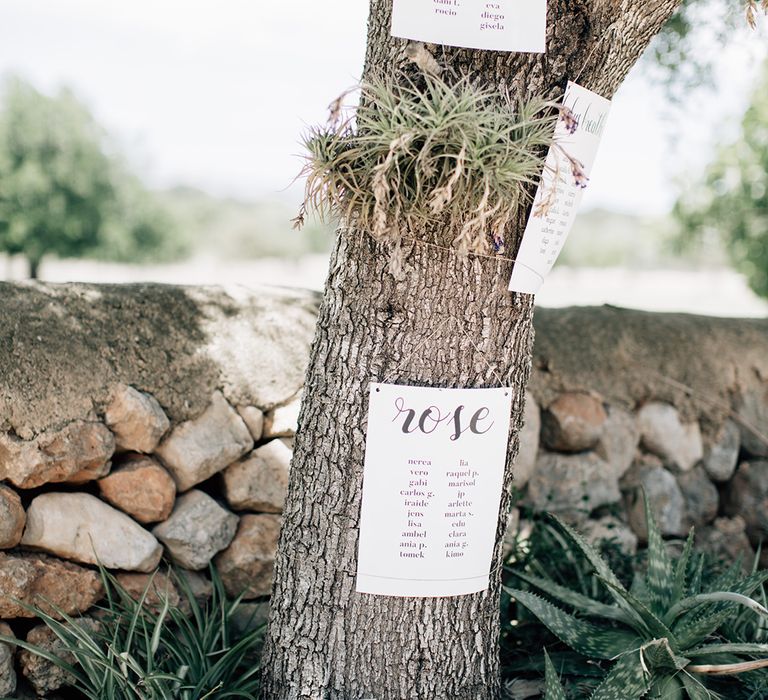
{"points": [[216, 94]]}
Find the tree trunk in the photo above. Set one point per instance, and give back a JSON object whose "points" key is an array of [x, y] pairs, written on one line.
{"points": [[34, 268], [449, 322]]}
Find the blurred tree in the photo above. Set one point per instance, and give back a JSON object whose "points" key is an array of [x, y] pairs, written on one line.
{"points": [[731, 200], [62, 192]]}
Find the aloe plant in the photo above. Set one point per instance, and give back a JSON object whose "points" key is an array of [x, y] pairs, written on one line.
{"points": [[661, 638]]}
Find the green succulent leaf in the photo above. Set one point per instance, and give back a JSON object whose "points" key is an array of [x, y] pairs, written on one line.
{"points": [[582, 604], [681, 569], [728, 648], [553, 690], [583, 637], [722, 596], [627, 680], [652, 625], [659, 574], [696, 689]]}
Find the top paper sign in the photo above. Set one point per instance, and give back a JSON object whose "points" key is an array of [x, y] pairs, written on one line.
{"points": [[500, 25]]}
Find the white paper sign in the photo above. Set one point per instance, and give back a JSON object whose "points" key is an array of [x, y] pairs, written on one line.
{"points": [[559, 194], [434, 472], [498, 25]]}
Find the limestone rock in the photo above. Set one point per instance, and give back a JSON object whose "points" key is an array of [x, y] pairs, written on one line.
{"points": [[722, 456], [619, 440], [159, 586], [79, 526], [199, 586], [141, 488], [726, 540], [282, 421], [137, 419], [80, 452], [12, 518], [753, 412], [678, 444], [572, 485], [612, 529], [200, 448], [7, 672], [260, 481], [44, 675], [572, 422], [247, 564], [254, 419], [197, 529], [34, 579], [747, 496], [525, 462], [666, 499], [701, 498]]}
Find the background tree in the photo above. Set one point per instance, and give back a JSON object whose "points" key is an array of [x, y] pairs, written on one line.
{"points": [[447, 321], [62, 192], [731, 200]]}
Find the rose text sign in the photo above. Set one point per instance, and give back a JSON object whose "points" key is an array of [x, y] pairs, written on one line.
{"points": [[566, 173], [499, 25], [434, 471]]}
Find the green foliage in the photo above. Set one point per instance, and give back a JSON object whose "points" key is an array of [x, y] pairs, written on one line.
{"points": [[664, 637], [138, 651], [63, 193], [732, 200], [416, 155]]}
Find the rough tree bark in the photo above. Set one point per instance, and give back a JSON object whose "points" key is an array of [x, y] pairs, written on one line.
{"points": [[449, 322]]}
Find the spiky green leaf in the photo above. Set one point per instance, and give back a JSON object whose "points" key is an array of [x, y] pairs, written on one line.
{"points": [[583, 637], [653, 626], [696, 689], [681, 570], [581, 603], [659, 576], [552, 690], [627, 680], [713, 649]]}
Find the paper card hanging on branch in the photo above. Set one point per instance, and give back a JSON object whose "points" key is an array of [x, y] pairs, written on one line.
{"points": [[498, 25], [566, 173], [434, 472]]}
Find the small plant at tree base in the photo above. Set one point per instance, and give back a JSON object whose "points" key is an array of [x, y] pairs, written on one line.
{"points": [[430, 153], [158, 651], [662, 638]]}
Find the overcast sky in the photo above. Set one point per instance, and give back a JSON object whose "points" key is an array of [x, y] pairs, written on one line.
{"points": [[216, 94]]}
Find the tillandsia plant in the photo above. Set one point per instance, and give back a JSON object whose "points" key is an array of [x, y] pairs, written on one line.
{"points": [[665, 637], [142, 649], [419, 152]]}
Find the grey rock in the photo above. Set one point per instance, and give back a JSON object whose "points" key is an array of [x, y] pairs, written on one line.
{"points": [[197, 529], [753, 423], [137, 419], [701, 497], [573, 422], [53, 585], [665, 497], [609, 528], [726, 540], [722, 456], [511, 533], [522, 469], [572, 485], [619, 440], [283, 420], [747, 496], [200, 448], [246, 566], [7, 671], [78, 452], [678, 444], [79, 526], [254, 419], [260, 481], [12, 517]]}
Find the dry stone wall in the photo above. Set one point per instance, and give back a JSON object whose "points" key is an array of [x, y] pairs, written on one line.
{"points": [[144, 425]]}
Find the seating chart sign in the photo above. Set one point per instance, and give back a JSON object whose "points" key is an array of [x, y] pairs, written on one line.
{"points": [[498, 25], [566, 173], [434, 473]]}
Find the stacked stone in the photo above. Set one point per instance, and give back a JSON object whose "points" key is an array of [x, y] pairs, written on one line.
{"points": [[127, 492], [589, 461]]}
